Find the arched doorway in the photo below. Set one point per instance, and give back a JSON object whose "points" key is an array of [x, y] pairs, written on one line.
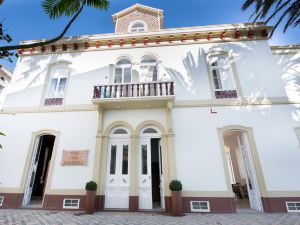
{"points": [[38, 170], [118, 169], [241, 169], [151, 181]]}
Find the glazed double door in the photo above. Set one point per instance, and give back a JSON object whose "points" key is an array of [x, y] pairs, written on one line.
{"points": [[145, 175], [118, 178]]}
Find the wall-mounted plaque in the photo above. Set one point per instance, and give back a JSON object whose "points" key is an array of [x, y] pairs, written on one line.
{"points": [[74, 158]]}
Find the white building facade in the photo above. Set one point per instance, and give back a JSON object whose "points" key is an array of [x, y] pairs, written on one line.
{"points": [[214, 106]]}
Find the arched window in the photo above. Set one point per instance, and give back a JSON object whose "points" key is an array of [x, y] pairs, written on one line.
{"points": [[222, 76], [150, 131], [122, 71], [120, 131], [149, 69], [138, 26]]}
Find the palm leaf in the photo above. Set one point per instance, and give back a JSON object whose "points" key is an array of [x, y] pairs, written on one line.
{"points": [[2, 133], [57, 8]]}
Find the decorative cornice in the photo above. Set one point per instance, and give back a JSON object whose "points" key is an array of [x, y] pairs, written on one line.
{"points": [[168, 37]]}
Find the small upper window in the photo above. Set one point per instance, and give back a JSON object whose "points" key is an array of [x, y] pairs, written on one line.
{"points": [[149, 69], [222, 77], [57, 85], [150, 131], [138, 27]]}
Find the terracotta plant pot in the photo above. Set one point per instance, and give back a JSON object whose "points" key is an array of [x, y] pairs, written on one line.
{"points": [[90, 201], [176, 203]]}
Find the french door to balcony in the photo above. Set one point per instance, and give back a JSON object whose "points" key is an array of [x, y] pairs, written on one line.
{"points": [[118, 178]]}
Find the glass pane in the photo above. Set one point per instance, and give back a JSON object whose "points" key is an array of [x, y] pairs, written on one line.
{"points": [[113, 155], [61, 87], [153, 70], [124, 62], [120, 131], [52, 88], [161, 165], [118, 75], [127, 75], [216, 79], [125, 160], [227, 80], [144, 159], [149, 131]]}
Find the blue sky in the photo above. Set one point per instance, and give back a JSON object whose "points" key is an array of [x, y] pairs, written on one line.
{"points": [[25, 19]]}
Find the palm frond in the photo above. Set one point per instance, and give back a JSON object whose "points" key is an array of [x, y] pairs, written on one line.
{"points": [[57, 8], [2, 133]]}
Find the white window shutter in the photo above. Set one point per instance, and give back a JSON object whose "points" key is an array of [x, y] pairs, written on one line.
{"points": [[111, 71]]}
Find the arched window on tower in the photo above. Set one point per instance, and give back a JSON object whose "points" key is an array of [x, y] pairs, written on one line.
{"points": [[138, 26]]}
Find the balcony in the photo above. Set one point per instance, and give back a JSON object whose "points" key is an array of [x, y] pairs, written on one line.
{"points": [[134, 95]]}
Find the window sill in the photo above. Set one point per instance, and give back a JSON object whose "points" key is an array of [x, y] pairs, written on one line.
{"points": [[226, 94], [53, 101]]}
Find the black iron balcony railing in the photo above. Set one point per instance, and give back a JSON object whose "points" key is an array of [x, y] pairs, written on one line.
{"points": [[134, 90]]}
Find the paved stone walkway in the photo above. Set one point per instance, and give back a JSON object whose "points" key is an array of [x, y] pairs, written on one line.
{"points": [[41, 217]]}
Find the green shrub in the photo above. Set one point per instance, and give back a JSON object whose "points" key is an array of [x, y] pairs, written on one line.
{"points": [[175, 185], [91, 186]]}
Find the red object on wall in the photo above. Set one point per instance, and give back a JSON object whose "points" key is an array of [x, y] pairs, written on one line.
{"points": [[171, 39], [133, 41], [122, 42], [197, 37], [146, 41], [43, 49], [183, 38], [64, 47], [237, 35], [53, 48], [250, 34], [158, 40], [223, 35], [109, 43], [75, 46], [209, 36], [264, 33], [98, 44], [31, 50], [86, 45], [20, 51]]}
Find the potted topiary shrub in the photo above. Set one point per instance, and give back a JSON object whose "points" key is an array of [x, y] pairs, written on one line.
{"points": [[176, 201], [90, 188]]}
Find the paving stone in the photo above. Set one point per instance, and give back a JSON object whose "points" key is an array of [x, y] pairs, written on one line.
{"points": [[44, 217]]}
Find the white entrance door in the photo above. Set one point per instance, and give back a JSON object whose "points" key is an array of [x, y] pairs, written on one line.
{"points": [[145, 184], [252, 185], [161, 178], [117, 179], [32, 170]]}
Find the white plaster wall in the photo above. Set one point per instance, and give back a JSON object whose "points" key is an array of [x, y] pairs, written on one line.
{"points": [[77, 132], [289, 67], [185, 64], [135, 117], [198, 151]]}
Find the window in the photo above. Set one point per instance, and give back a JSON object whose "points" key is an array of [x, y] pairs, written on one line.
{"points": [[222, 77], [138, 26], [148, 69], [125, 160], [200, 206], [144, 160], [57, 85], [149, 131], [122, 72], [71, 203], [113, 158], [293, 206], [120, 131], [1, 200]]}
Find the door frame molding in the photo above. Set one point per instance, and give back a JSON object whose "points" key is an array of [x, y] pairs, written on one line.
{"points": [[29, 158], [254, 154]]}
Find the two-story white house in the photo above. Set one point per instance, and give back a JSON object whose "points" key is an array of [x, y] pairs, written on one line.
{"points": [[213, 106]]}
